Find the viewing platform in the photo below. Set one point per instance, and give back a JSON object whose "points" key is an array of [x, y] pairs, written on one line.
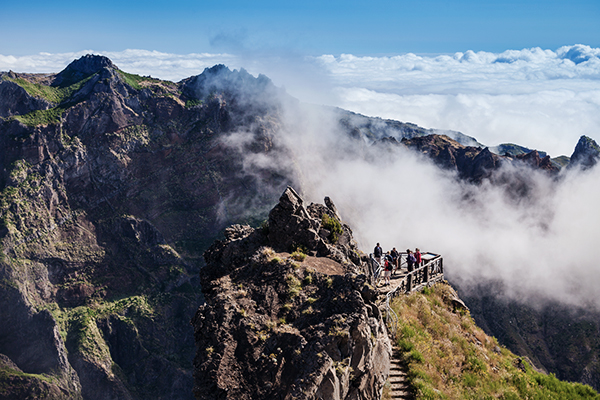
{"points": [[430, 271], [403, 281]]}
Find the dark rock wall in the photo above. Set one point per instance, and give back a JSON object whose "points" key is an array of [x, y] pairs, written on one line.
{"points": [[275, 327], [105, 214]]}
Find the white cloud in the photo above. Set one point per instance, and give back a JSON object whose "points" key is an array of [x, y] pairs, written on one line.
{"points": [[541, 246], [537, 98], [166, 66]]}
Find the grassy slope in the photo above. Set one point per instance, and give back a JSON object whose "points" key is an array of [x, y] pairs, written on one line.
{"points": [[450, 357]]}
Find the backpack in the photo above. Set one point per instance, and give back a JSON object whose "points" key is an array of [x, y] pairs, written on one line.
{"points": [[412, 259]]}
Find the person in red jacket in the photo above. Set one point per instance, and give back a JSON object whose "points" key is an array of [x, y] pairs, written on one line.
{"points": [[418, 257]]}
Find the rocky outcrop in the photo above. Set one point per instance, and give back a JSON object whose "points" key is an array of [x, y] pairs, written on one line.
{"points": [[471, 163], [475, 164], [534, 160], [286, 326], [15, 99], [586, 153]]}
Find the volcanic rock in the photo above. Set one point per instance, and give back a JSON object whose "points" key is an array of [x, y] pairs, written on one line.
{"points": [[286, 326], [586, 153]]}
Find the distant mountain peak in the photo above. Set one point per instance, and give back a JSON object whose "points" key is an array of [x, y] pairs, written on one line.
{"points": [[82, 68], [220, 78], [586, 153]]}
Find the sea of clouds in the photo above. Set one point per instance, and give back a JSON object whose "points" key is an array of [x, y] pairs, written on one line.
{"points": [[543, 246], [539, 98]]}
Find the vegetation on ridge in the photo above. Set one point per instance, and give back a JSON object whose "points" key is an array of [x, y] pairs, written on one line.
{"points": [[450, 357], [54, 94]]}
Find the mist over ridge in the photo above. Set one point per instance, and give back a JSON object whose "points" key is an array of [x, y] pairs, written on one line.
{"points": [[401, 199], [535, 97], [532, 231], [173, 164]]}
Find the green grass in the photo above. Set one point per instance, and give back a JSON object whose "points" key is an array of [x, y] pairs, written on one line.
{"points": [[41, 117], [333, 226], [298, 256], [450, 357], [294, 286], [133, 80], [53, 94], [6, 373], [59, 95]]}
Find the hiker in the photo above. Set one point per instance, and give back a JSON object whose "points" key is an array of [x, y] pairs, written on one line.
{"points": [[418, 257], [395, 256], [377, 252], [388, 266], [410, 260]]}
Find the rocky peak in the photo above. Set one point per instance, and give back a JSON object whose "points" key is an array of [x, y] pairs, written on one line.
{"points": [[82, 68], [471, 163], [586, 153], [238, 86], [280, 325], [534, 160], [317, 228]]}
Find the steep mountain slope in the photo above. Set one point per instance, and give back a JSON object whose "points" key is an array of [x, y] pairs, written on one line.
{"points": [[450, 357], [112, 187], [558, 338], [111, 190]]}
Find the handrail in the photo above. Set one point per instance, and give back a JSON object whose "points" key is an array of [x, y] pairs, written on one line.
{"points": [[376, 268], [431, 272]]}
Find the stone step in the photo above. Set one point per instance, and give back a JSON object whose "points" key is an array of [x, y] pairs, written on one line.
{"points": [[398, 378]]}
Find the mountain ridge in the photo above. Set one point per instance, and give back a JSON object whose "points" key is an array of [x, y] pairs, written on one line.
{"points": [[113, 186]]}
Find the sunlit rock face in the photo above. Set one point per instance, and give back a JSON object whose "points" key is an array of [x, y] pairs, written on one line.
{"points": [[281, 325]]}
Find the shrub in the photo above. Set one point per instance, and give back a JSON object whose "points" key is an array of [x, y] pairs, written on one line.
{"points": [[298, 256], [294, 286], [333, 226]]}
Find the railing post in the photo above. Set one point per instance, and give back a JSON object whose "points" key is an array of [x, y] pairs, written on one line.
{"points": [[427, 275], [409, 279]]}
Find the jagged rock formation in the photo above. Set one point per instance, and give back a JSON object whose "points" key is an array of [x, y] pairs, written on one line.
{"points": [[276, 327], [112, 187], [473, 163], [586, 153]]}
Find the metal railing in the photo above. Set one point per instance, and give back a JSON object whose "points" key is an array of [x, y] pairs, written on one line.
{"points": [[430, 272]]}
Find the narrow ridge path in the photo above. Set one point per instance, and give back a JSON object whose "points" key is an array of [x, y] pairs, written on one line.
{"points": [[400, 388]]}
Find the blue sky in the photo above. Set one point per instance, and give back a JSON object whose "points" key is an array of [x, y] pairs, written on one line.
{"points": [[525, 71], [305, 27]]}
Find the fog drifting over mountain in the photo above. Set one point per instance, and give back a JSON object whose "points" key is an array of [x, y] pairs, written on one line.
{"points": [[539, 98], [541, 246]]}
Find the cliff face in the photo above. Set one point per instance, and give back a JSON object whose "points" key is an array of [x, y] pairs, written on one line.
{"points": [[286, 326], [586, 153], [112, 187], [474, 164]]}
